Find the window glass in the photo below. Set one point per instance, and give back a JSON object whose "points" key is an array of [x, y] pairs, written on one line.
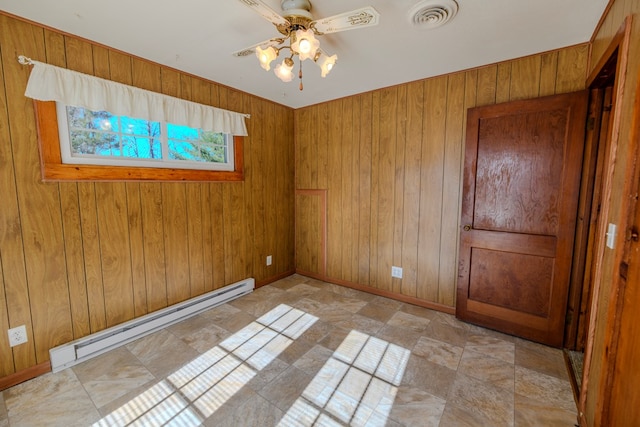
{"points": [[102, 138]]}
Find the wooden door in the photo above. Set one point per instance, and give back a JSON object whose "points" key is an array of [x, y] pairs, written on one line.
{"points": [[521, 181]]}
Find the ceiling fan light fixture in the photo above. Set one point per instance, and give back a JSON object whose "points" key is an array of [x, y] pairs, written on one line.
{"points": [[299, 31], [304, 43], [284, 70], [266, 56], [326, 63]]}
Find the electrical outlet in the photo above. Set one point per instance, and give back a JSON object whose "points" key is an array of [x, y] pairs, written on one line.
{"points": [[396, 272], [17, 336], [269, 260]]}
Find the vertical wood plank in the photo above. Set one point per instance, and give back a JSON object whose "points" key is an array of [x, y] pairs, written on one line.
{"points": [[249, 191], [92, 257], [322, 114], [334, 202], [279, 211], [452, 184], [487, 81], [114, 250], [6, 362], [218, 235], [270, 222], [355, 191], [411, 211], [303, 142], [375, 189], [548, 72], [386, 176], [399, 189], [431, 180], [153, 246], [259, 185], [346, 211], [503, 82], [572, 69], [136, 236], [207, 237], [364, 185], [525, 78]]}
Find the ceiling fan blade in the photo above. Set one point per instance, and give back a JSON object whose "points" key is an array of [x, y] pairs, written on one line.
{"points": [[265, 11], [359, 18], [252, 49]]}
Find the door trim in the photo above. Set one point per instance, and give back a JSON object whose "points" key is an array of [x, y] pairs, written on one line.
{"points": [[619, 45]]}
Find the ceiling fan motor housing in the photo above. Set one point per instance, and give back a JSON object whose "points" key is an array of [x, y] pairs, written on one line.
{"points": [[300, 8]]}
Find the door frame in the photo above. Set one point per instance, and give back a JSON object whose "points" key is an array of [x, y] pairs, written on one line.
{"points": [[619, 46]]}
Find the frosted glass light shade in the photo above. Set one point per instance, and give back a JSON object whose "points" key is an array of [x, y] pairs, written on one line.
{"points": [[326, 63], [265, 56], [305, 44], [284, 70]]}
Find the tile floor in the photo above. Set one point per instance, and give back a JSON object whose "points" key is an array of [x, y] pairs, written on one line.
{"points": [[304, 352]]}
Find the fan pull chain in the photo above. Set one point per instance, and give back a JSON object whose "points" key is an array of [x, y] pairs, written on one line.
{"points": [[300, 76]]}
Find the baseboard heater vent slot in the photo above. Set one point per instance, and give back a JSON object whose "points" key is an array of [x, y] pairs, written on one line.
{"points": [[85, 348]]}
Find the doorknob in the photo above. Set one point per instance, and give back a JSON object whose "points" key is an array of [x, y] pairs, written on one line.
{"points": [[466, 227]]}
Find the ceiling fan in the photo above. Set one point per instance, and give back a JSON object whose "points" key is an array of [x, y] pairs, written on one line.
{"points": [[297, 27]]}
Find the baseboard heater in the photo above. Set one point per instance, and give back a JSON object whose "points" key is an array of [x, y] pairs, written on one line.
{"points": [[85, 348]]}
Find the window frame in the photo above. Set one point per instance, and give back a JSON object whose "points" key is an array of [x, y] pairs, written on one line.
{"points": [[53, 169]]}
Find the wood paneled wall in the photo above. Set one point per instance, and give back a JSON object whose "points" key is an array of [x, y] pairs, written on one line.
{"points": [[618, 203], [391, 162], [76, 258]]}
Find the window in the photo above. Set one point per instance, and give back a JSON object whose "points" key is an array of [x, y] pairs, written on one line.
{"points": [[122, 132], [102, 138], [55, 169]]}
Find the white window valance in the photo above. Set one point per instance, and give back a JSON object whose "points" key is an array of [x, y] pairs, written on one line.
{"points": [[51, 83]]}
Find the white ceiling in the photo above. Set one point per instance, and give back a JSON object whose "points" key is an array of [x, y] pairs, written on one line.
{"points": [[199, 37]]}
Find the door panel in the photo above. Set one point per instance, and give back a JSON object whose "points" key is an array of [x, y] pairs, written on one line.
{"points": [[522, 174]]}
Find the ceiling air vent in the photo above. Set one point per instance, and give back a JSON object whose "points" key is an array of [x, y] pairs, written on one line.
{"points": [[433, 13]]}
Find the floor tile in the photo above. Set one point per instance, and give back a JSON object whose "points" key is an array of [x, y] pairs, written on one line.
{"points": [[4, 417], [377, 311], [415, 407], [404, 337], [162, 352], [438, 352], [362, 324], [446, 333], [311, 362], [547, 360], [408, 321], [487, 401], [112, 375], [428, 376], [463, 416], [491, 346], [544, 388], [533, 413], [286, 388], [493, 371], [51, 398]]}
